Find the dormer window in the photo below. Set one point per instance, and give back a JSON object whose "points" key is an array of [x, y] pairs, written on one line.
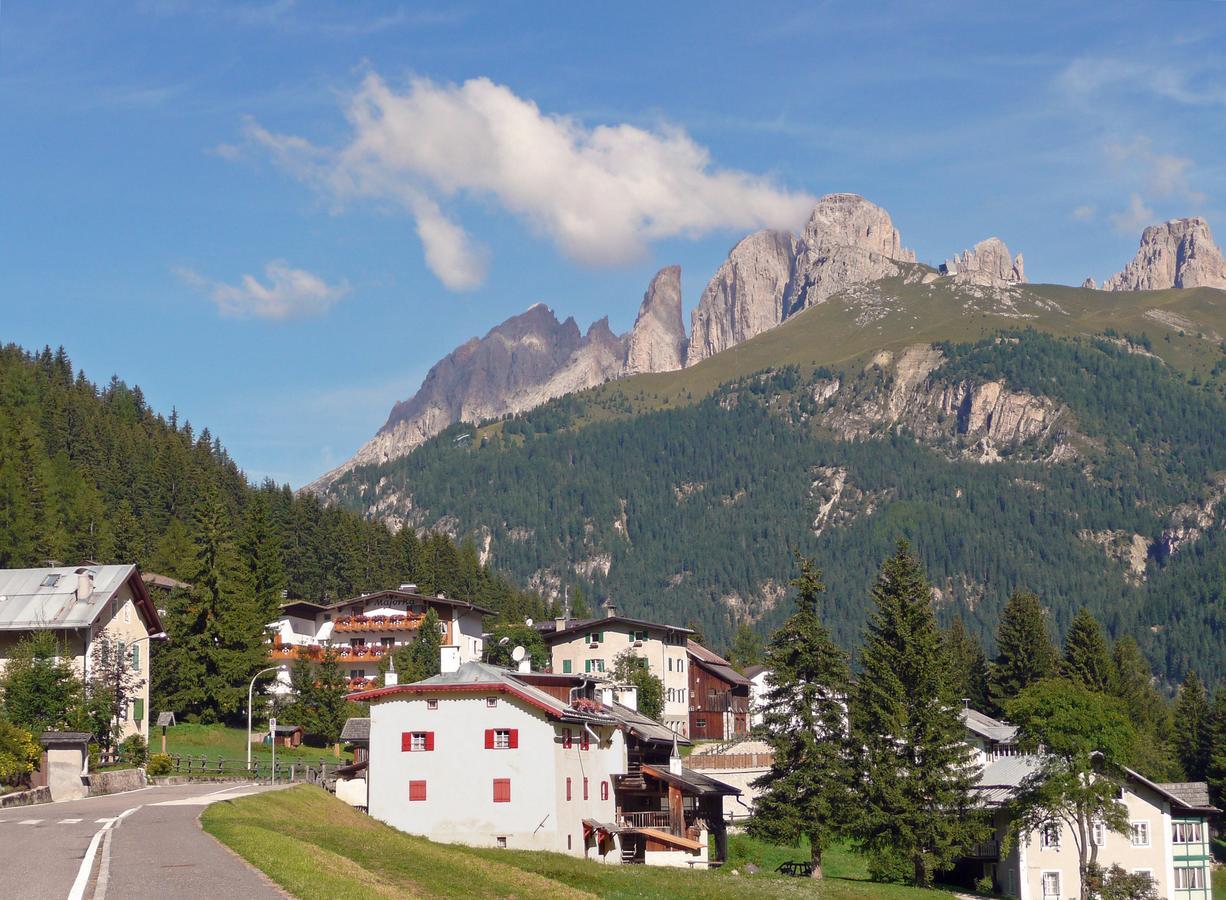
{"points": [[51, 580]]}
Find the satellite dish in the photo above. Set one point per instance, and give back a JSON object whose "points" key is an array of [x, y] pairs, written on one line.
{"points": [[528, 622], [503, 641], [518, 654]]}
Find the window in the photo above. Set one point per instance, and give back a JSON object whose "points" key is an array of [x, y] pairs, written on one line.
{"points": [[567, 788], [356, 673], [700, 723], [1099, 834], [569, 845], [566, 666], [568, 739], [1051, 884], [416, 741], [417, 791], [1050, 837], [681, 665], [502, 790], [604, 790], [593, 665], [670, 664], [491, 701], [127, 613], [583, 740], [501, 738], [138, 711], [1186, 832], [594, 637], [51, 581], [431, 704], [134, 655], [501, 841], [1140, 834], [1190, 879]]}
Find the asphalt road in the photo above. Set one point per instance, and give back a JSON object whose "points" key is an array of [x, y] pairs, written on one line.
{"points": [[145, 843]]}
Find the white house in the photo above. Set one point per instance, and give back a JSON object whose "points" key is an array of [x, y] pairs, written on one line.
{"points": [[757, 676], [1168, 836], [364, 629], [485, 756], [80, 605]]}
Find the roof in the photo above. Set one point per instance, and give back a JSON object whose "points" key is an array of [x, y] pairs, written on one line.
{"points": [[352, 769], [987, 727], [1190, 793], [575, 626], [715, 664], [46, 598], [478, 676], [691, 782], [288, 729], [752, 672], [50, 738], [153, 579], [356, 729], [166, 719], [312, 607], [643, 726]]}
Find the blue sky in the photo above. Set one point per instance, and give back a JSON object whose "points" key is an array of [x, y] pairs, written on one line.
{"points": [[276, 216]]}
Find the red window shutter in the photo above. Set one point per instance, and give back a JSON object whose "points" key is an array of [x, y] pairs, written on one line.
{"points": [[417, 790], [584, 788], [567, 788], [583, 740], [502, 790], [429, 740], [406, 741], [567, 740], [604, 790], [489, 739], [513, 743]]}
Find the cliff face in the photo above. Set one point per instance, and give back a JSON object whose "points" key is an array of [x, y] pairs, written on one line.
{"points": [[657, 343], [988, 264], [1176, 254]]}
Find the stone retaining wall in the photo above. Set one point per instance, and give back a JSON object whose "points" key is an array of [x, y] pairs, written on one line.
{"points": [[116, 781], [26, 798]]}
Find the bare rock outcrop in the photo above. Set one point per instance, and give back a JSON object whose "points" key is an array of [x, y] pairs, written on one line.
{"points": [[988, 264], [657, 343], [745, 298], [1175, 254]]}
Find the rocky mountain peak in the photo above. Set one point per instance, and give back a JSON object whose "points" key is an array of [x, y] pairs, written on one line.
{"points": [[988, 263], [658, 341], [1175, 254], [850, 221]]}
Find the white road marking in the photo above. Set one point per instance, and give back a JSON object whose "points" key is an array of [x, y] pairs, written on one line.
{"points": [[103, 821], [68, 821], [87, 862], [29, 821]]}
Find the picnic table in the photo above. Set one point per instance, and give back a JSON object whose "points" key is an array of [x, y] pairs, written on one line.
{"points": [[796, 868]]}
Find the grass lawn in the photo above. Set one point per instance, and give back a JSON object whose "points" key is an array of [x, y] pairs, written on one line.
{"points": [[1219, 883], [314, 846], [220, 741]]}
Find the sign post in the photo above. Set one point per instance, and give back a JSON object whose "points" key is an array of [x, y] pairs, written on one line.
{"points": [[272, 735]]}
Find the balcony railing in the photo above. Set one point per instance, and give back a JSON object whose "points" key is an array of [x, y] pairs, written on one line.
{"points": [[650, 819], [314, 652], [985, 850], [366, 624]]}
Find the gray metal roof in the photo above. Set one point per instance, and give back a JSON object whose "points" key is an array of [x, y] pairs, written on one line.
{"points": [[985, 726], [356, 729], [166, 720], [27, 603]]}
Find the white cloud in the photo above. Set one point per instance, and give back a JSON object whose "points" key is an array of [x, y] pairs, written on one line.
{"points": [[1136, 217], [286, 293], [1084, 213], [228, 152], [601, 193], [1087, 77], [1164, 175]]}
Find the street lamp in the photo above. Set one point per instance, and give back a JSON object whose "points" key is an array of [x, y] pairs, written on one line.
{"points": [[250, 691]]}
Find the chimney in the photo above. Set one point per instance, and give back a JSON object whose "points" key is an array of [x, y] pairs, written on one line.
{"points": [[607, 694], [674, 761], [628, 696], [449, 658], [525, 664], [559, 624], [610, 608], [390, 678], [408, 588], [85, 585]]}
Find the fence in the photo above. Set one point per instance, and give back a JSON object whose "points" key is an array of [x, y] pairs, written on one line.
{"points": [[218, 767], [730, 760], [649, 819]]}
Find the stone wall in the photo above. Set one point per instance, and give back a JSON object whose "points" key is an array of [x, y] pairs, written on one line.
{"points": [[115, 781], [26, 798]]}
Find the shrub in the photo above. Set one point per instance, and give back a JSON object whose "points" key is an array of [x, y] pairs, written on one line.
{"points": [[985, 885], [159, 764], [134, 751], [19, 753]]}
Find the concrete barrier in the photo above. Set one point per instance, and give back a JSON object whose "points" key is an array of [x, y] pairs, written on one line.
{"points": [[116, 781], [26, 798]]}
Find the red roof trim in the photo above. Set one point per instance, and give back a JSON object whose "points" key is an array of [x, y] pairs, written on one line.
{"points": [[475, 688]]}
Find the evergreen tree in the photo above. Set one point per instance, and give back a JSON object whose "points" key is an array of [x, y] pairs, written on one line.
{"points": [[174, 555], [1024, 650], [1087, 658], [329, 697], [1216, 770], [1133, 685], [916, 771], [969, 665], [807, 790], [526, 636], [747, 647], [420, 658], [1192, 734]]}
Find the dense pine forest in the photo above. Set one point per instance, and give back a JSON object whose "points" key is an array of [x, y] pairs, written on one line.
{"points": [[90, 473], [696, 510]]}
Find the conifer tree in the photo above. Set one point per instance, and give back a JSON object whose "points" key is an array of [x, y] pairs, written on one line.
{"points": [[1024, 650], [916, 771], [746, 647], [1216, 770], [1192, 736], [420, 658], [1087, 658], [39, 687], [969, 665], [1150, 713], [807, 790], [329, 697]]}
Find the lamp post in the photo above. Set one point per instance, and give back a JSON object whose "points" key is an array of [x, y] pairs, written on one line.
{"points": [[250, 691]]}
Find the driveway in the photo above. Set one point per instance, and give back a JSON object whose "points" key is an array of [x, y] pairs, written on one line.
{"points": [[139, 843]]}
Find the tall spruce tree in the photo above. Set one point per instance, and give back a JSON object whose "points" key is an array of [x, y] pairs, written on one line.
{"points": [[807, 790], [1216, 773], [1150, 713], [969, 665], [1192, 716], [329, 697], [747, 647], [1025, 653], [420, 658], [916, 771], [1087, 658]]}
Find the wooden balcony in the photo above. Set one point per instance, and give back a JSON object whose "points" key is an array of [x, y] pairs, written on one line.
{"points": [[367, 624], [345, 654], [649, 819]]}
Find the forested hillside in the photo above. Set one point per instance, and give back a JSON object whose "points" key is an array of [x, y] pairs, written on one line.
{"points": [[692, 513]]}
